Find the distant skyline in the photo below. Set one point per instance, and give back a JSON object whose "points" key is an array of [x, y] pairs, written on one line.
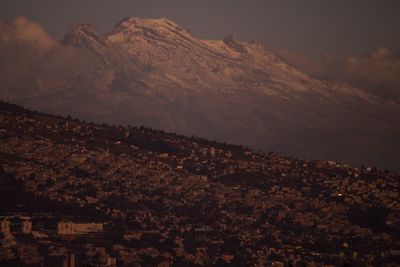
{"points": [[311, 28]]}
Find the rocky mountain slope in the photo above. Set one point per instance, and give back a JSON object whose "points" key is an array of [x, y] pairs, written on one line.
{"points": [[154, 72]]}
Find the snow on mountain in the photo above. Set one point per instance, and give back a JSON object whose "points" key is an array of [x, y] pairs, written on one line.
{"points": [[153, 72], [214, 64]]}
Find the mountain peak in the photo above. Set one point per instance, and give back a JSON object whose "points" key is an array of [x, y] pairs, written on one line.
{"points": [[83, 35], [232, 42], [86, 36], [230, 37], [137, 22], [81, 28], [135, 33]]}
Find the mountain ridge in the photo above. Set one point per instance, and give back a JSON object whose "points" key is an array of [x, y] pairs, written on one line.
{"points": [[155, 73]]}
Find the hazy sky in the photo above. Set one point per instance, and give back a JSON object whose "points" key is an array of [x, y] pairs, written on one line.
{"points": [[309, 27]]}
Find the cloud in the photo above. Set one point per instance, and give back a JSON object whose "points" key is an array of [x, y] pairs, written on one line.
{"points": [[378, 72], [32, 62], [23, 30], [299, 61]]}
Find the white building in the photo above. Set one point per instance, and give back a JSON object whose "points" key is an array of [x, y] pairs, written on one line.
{"points": [[5, 227], [111, 261], [71, 228], [27, 227]]}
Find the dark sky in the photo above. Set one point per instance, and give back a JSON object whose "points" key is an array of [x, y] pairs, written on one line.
{"points": [[309, 27]]}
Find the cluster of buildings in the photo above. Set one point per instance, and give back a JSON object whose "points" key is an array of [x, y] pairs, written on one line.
{"points": [[165, 199], [47, 245]]}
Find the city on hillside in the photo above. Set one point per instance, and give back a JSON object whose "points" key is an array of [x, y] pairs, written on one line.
{"points": [[74, 193]]}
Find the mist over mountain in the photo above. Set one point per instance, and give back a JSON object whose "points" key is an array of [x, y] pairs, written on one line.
{"points": [[378, 72], [153, 72]]}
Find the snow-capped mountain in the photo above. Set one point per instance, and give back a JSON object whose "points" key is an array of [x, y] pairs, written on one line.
{"points": [[154, 72]]}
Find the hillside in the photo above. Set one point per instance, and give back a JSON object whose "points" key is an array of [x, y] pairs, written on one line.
{"points": [[186, 200]]}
